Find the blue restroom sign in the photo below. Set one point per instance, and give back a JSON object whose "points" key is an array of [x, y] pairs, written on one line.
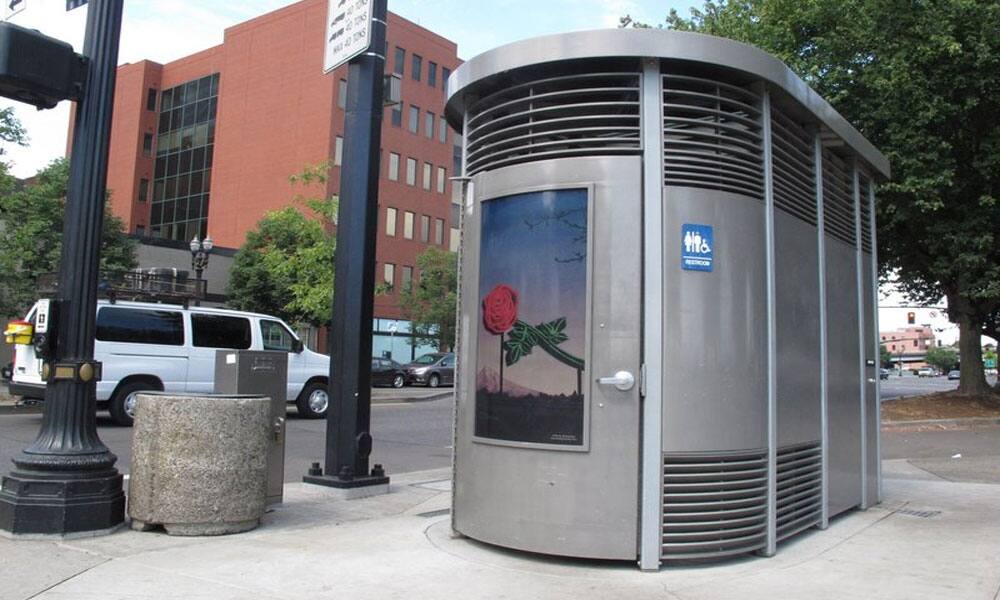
{"points": [[697, 247]]}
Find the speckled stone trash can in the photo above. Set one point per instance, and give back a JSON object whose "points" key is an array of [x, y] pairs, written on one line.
{"points": [[199, 463]]}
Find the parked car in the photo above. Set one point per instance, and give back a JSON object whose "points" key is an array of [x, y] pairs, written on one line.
{"points": [[926, 372], [954, 374], [386, 371], [883, 373], [434, 369], [166, 347]]}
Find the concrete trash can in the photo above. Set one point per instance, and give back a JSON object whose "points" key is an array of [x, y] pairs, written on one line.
{"points": [[199, 463]]}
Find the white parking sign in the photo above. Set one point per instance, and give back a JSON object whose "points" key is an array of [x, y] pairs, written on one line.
{"points": [[348, 31]]}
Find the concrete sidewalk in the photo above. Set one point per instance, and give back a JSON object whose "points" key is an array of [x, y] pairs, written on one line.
{"points": [[929, 539]]}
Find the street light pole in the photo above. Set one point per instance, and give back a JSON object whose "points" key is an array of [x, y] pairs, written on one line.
{"points": [[65, 481], [200, 249]]}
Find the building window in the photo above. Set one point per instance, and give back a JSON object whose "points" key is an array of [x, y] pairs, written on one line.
{"points": [[399, 61], [185, 143], [390, 222], [393, 166], [442, 177], [445, 74], [439, 232], [427, 176], [143, 190], [338, 151], [411, 171], [442, 130], [429, 125], [140, 230], [425, 228], [147, 144], [389, 273], [342, 93], [914, 343], [408, 225], [151, 99], [414, 122], [407, 277], [432, 74], [894, 347], [397, 115], [417, 64]]}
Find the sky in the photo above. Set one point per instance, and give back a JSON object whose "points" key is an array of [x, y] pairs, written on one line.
{"points": [[164, 30]]}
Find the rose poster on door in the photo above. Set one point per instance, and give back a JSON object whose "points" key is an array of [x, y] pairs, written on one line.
{"points": [[530, 384]]}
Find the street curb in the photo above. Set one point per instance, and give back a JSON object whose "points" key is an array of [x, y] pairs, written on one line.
{"points": [[14, 409], [398, 400], [949, 423]]}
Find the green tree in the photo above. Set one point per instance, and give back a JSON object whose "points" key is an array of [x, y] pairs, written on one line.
{"points": [[942, 358], [919, 79], [885, 359], [11, 131], [285, 266], [430, 303], [31, 225]]}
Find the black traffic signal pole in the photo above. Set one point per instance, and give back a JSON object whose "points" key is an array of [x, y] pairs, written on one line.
{"points": [[65, 481], [348, 420]]}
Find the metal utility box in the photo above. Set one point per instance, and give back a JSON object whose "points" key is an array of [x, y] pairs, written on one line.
{"points": [[265, 373], [667, 332]]}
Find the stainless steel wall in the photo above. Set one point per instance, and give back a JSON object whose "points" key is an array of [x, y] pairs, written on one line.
{"points": [[798, 341], [843, 390], [714, 339]]}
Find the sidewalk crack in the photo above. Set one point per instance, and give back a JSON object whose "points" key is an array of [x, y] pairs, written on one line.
{"points": [[65, 579]]}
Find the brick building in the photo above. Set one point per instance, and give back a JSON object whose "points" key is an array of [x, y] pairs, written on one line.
{"points": [[909, 345], [206, 144]]}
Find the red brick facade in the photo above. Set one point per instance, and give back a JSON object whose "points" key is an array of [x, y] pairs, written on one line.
{"points": [[277, 113]]}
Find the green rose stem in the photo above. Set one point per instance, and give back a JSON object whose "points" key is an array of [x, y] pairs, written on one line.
{"points": [[554, 351], [501, 364]]}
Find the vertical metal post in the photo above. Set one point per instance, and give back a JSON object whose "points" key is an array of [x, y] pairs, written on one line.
{"points": [[875, 340], [651, 486], [772, 330], [858, 273], [65, 481], [348, 441], [824, 418]]}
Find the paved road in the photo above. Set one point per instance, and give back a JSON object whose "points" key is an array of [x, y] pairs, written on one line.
{"points": [[408, 436], [912, 385]]}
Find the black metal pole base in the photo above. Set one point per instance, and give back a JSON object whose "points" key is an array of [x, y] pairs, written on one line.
{"points": [[61, 504], [346, 484]]}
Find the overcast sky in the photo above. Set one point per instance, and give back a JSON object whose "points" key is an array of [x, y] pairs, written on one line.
{"points": [[165, 30]]}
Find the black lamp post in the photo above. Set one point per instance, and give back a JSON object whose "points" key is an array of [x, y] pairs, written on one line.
{"points": [[200, 249]]}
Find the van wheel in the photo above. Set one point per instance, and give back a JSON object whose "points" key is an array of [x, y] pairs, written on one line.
{"points": [[122, 406], [313, 401]]}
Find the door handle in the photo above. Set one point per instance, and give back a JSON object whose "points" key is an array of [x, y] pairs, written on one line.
{"points": [[623, 380]]}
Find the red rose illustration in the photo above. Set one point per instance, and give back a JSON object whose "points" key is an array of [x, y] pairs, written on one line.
{"points": [[500, 309]]}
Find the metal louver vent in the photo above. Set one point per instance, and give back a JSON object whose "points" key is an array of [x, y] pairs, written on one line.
{"points": [[793, 167], [571, 115], [799, 499], [712, 136], [714, 504], [866, 216], [838, 199]]}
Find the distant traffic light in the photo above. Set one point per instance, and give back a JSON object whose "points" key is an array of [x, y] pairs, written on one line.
{"points": [[911, 318]]}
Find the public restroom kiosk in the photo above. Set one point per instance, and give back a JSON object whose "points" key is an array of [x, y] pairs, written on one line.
{"points": [[667, 332]]}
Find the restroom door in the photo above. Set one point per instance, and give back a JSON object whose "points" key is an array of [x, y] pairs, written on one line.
{"points": [[549, 405]]}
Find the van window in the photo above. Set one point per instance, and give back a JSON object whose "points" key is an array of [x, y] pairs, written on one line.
{"points": [[140, 326], [275, 336], [218, 331]]}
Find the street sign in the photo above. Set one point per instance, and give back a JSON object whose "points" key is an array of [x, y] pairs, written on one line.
{"points": [[71, 4], [990, 363], [697, 247], [348, 31], [12, 7]]}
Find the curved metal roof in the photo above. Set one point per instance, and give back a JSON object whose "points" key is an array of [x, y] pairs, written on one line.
{"points": [[656, 43]]}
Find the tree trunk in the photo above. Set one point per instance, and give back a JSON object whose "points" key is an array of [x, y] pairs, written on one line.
{"points": [[970, 353]]}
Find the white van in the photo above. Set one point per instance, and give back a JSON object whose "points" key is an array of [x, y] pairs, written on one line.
{"points": [[166, 347]]}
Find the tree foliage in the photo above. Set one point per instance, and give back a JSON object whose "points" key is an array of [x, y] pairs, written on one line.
{"points": [[919, 78], [430, 303], [31, 227], [285, 266], [11, 130], [884, 357], [942, 358]]}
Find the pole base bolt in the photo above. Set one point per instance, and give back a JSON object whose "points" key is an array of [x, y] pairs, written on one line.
{"points": [[315, 470]]}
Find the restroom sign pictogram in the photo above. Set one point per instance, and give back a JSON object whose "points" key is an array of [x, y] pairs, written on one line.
{"points": [[697, 247]]}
